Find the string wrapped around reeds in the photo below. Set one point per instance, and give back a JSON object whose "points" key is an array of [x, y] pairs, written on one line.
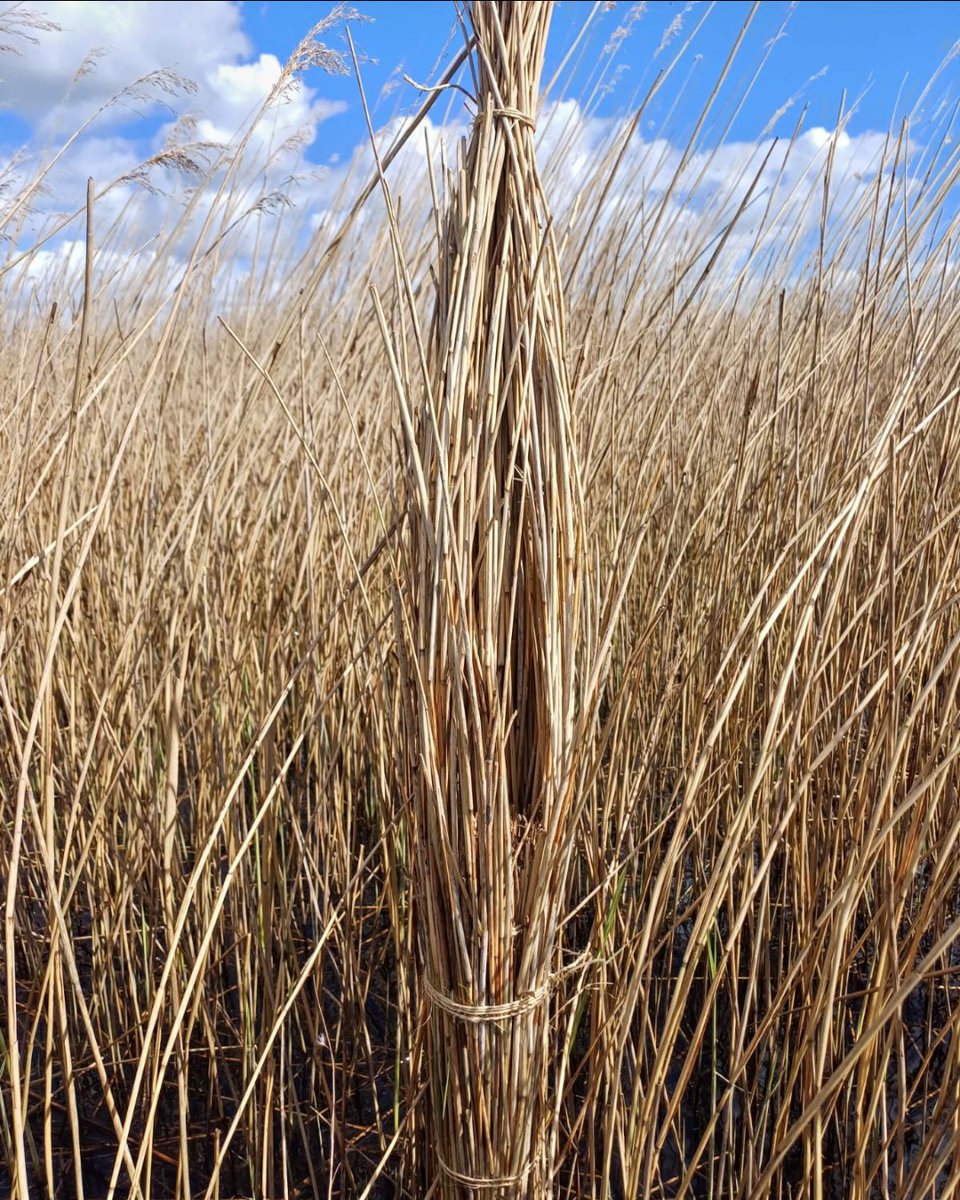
{"points": [[491, 634]]}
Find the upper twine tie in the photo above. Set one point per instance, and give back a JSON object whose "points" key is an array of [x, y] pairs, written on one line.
{"points": [[514, 114]]}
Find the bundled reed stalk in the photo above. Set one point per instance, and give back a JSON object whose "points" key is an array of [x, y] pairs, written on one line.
{"points": [[494, 606]]}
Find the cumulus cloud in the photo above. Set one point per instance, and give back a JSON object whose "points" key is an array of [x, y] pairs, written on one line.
{"points": [[198, 66], [673, 202], [695, 194], [100, 49], [197, 63], [233, 93]]}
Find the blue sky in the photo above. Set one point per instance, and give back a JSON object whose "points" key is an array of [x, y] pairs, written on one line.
{"points": [[880, 54]]}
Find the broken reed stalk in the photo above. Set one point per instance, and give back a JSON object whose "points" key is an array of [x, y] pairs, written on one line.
{"points": [[494, 604]]}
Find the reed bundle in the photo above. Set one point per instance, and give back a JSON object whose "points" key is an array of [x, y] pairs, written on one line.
{"points": [[494, 608]]}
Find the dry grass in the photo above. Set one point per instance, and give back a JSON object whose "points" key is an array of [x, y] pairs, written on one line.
{"points": [[487, 708]]}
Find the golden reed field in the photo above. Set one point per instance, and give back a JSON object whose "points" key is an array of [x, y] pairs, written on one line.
{"points": [[479, 689]]}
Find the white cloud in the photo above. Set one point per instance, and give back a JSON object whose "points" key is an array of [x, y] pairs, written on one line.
{"points": [[232, 94], [233, 85], [673, 206], [201, 41], [127, 41], [101, 49]]}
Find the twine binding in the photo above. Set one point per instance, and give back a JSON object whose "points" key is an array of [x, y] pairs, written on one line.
{"points": [[487, 1183], [514, 114], [481, 1014]]}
